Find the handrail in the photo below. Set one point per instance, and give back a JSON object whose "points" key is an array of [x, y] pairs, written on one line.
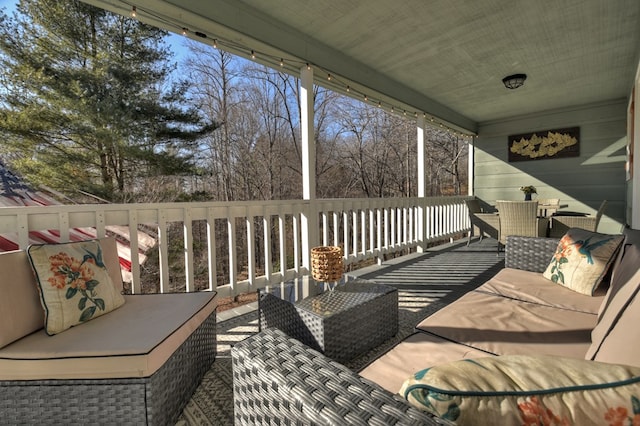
{"points": [[365, 228]]}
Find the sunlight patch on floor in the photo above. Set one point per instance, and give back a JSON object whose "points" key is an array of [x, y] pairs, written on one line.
{"points": [[418, 299], [243, 329], [233, 337], [413, 310]]}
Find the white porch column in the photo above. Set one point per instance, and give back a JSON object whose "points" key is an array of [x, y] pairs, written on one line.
{"points": [[633, 187], [422, 187], [309, 219], [471, 165]]}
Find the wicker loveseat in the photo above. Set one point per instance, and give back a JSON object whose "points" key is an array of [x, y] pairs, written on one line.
{"points": [[517, 315], [138, 364]]}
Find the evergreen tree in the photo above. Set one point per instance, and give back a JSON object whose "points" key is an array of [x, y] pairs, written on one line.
{"points": [[86, 100]]}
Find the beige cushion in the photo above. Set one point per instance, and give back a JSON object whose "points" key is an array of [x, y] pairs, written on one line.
{"points": [[20, 309], [616, 337], [73, 282], [112, 261], [503, 326], [582, 259], [527, 390], [412, 355], [533, 287], [625, 265], [132, 341]]}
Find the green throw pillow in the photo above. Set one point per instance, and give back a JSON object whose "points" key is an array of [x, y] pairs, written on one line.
{"points": [[527, 390], [582, 259], [73, 282]]}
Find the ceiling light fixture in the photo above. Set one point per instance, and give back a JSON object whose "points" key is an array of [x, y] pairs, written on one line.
{"points": [[514, 81]]}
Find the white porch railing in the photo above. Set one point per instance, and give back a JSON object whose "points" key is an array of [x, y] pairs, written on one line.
{"points": [[259, 242]]}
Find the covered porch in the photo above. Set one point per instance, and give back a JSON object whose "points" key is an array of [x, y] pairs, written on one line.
{"points": [[425, 284], [441, 63]]}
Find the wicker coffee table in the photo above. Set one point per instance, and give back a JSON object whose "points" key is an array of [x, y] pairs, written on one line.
{"points": [[355, 316]]}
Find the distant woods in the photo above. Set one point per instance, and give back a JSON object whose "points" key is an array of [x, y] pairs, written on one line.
{"points": [[92, 102], [361, 150]]}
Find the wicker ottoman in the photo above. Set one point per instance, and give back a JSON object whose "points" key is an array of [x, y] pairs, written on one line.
{"points": [[341, 323]]}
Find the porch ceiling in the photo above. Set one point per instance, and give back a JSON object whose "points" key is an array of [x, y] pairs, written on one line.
{"points": [[444, 57]]}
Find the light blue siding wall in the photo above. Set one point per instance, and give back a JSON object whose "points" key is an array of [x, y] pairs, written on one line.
{"points": [[581, 182]]}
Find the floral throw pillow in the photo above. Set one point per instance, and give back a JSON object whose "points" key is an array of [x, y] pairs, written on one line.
{"points": [[527, 390], [582, 259], [73, 282]]}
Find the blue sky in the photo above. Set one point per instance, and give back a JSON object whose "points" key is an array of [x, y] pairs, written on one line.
{"points": [[8, 4]]}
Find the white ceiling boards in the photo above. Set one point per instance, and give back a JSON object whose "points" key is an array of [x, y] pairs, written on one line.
{"points": [[444, 57]]}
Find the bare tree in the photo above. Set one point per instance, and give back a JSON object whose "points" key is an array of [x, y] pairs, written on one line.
{"points": [[446, 152], [214, 74]]}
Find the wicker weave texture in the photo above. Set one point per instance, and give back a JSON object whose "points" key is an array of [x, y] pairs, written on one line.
{"points": [[155, 400], [278, 380], [529, 253], [543, 202], [342, 323], [326, 263], [561, 224], [520, 218]]}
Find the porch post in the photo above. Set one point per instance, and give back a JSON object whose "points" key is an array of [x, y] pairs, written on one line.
{"points": [[420, 161], [309, 218], [471, 164], [633, 216]]}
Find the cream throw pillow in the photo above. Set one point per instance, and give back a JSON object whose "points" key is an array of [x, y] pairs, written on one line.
{"points": [[582, 259], [527, 390], [74, 284]]}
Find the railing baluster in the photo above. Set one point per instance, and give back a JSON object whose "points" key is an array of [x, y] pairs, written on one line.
{"points": [[136, 285], [187, 227], [251, 255], [296, 242], [345, 230], [336, 228], [363, 231], [354, 231], [100, 224], [163, 253], [325, 228], [63, 221], [283, 246], [268, 265], [211, 244], [22, 227], [371, 231], [233, 264]]}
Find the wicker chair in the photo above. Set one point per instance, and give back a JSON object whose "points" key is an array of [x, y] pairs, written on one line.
{"points": [[520, 218], [487, 223], [549, 202], [560, 224]]}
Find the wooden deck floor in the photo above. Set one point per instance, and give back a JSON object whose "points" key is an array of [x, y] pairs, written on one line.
{"points": [[426, 282]]}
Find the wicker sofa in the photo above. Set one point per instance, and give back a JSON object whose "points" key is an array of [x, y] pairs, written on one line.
{"points": [[138, 364], [516, 312]]}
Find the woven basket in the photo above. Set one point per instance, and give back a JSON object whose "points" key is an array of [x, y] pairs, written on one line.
{"points": [[326, 263]]}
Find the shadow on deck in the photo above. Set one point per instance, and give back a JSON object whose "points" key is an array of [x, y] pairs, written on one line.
{"points": [[426, 282]]}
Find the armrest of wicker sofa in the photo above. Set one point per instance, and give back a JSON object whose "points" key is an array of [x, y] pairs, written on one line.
{"points": [[276, 377], [529, 253]]}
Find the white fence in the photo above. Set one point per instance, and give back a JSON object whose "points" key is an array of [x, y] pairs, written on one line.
{"points": [[254, 243]]}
